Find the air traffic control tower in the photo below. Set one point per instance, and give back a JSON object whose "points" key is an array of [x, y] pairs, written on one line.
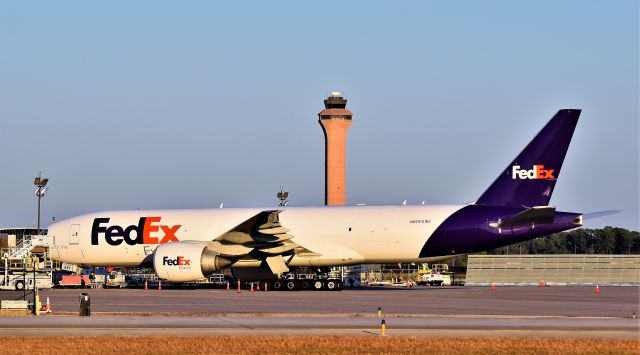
{"points": [[335, 120]]}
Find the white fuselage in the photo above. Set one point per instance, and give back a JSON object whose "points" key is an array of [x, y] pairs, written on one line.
{"points": [[338, 235]]}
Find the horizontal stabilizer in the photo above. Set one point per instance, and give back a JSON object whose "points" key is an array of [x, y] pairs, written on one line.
{"points": [[530, 216], [592, 215]]}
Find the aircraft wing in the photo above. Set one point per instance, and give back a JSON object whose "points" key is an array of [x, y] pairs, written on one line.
{"points": [[261, 237]]}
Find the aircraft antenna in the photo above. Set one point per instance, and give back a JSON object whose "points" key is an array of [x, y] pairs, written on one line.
{"points": [[282, 197]]}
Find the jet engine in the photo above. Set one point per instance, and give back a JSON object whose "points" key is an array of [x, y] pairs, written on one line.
{"points": [[186, 261]]}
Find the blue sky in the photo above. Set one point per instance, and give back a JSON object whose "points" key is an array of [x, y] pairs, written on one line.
{"points": [[153, 104]]}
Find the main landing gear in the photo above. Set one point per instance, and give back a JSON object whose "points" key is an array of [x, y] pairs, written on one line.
{"points": [[307, 282]]}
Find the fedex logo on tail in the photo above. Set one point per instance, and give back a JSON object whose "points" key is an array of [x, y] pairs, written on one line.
{"points": [[538, 172]]}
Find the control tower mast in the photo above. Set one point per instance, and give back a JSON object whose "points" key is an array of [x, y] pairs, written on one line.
{"points": [[335, 120]]}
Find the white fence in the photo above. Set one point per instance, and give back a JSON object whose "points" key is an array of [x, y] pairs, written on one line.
{"points": [[614, 270]]}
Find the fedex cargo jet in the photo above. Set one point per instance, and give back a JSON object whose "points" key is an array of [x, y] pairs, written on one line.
{"points": [[260, 244]]}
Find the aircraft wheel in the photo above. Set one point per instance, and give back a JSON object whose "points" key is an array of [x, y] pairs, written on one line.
{"points": [[318, 285], [332, 285], [292, 285], [277, 285], [19, 285], [305, 285]]}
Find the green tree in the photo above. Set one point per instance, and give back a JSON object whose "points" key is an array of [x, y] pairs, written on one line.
{"points": [[624, 241], [608, 240]]}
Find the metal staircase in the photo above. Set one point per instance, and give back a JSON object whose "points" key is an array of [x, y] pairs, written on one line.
{"points": [[24, 247]]}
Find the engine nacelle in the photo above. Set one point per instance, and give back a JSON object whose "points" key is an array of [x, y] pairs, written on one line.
{"points": [[186, 261]]}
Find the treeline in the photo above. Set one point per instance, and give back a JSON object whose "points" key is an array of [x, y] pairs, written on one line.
{"points": [[608, 240]]}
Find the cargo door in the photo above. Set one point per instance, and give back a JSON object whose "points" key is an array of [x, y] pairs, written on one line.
{"points": [[74, 234]]}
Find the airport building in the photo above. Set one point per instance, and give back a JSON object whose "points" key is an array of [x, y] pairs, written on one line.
{"points": [[15, 235], [335, 120]]}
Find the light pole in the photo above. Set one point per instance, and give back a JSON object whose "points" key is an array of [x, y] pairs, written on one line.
{"points": [[41, 190]]}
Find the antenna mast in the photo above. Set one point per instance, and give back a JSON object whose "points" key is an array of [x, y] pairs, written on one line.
{"points": [[282, 197]]}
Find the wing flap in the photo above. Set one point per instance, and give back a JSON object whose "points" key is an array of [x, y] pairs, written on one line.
{"points": [[273, 230], [234, 236], [226, 249], [279, 249], [260, 237], [277, 264], [272, 238]]}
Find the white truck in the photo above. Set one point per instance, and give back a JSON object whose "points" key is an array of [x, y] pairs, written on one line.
{"points": [[20, 281], [436, 275], [115, 279], [434, 279]]}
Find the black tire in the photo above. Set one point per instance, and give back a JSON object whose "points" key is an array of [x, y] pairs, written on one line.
{"points": [[292, 285], [332, 285], [19, 285], [305, 285], [277, 285], [318, 285]]}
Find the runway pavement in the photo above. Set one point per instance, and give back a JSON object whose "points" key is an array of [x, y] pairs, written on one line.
{"points": [[573, 327], [447, 311], [536, 301]]}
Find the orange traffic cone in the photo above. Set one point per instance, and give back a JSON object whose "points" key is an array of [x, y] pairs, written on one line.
{"points": [[266, 286], [251, 287], [159, 285], [493, 286], [597, 289], [45, 307], [228, 287], [238, 287], [258, 286], [146, 287]]}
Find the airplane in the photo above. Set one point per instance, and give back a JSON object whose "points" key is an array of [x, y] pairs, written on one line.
{"points": [[268, 244]]}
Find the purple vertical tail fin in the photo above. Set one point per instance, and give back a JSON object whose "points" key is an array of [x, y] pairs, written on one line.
{"points": [[529, 180]]}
